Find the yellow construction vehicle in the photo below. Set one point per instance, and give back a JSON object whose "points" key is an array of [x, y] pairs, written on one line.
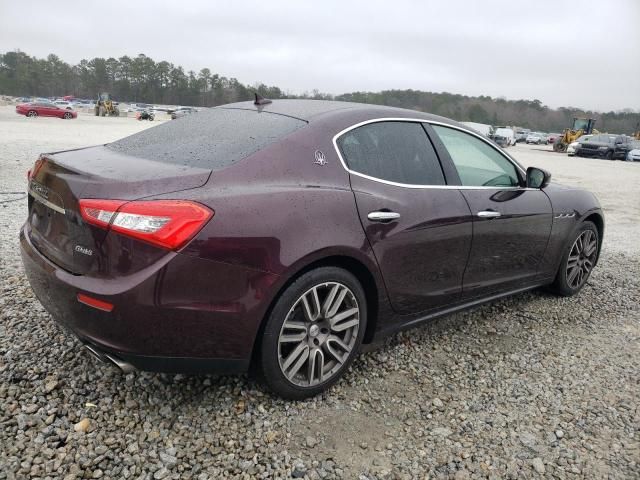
{"points": [[581, 126], [106, 106]]}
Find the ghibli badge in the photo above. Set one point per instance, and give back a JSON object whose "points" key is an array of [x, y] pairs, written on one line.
{"points": [[83, 250]]}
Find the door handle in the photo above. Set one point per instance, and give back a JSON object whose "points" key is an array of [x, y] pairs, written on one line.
{"points": [[382, 216], [489, 214]]}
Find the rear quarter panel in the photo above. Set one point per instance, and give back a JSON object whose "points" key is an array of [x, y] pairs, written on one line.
{"points": [[278, 211]]}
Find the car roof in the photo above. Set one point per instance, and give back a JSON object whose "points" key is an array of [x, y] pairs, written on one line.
{"points": [[310, 110]]}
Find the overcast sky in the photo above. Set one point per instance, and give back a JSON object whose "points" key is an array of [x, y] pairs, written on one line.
{"points": [[564, 53]]}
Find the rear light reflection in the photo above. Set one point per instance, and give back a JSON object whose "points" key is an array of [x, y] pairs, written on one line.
{"points": [[95, 303], [165, 223]]}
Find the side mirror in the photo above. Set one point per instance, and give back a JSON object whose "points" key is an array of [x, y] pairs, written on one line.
{"points": [[537, 177]]}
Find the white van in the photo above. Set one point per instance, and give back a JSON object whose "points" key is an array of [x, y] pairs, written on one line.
{"points": [[506, 133]]}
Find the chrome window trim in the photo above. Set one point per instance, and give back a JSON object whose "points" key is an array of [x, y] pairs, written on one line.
{"points": [[406, 185]]}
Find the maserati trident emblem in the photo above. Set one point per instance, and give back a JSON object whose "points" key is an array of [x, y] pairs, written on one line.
{"points": [[320, 159]]}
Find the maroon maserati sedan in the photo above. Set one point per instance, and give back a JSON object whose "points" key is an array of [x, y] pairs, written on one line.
{"points": [[284, 235]]}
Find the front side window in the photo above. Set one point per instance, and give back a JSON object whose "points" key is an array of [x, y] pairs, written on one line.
{"points": [[478, 163], [393, 151]]}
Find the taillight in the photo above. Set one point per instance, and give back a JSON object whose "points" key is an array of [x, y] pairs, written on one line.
{"points": [[36, 166], [166, 223]]}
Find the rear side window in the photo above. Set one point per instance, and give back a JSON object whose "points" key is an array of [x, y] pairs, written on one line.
{"points": [[213, 138], [393, 151]]}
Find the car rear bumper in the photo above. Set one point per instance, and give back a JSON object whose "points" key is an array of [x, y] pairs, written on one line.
{"points": [[186, 314]]}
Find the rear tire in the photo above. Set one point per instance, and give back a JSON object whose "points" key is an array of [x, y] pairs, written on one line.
{"points": [[609, 155], [325, 312], [67, 116], [578, 260]]}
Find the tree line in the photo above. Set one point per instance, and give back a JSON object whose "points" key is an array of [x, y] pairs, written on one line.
{"points": [[141, 79]]}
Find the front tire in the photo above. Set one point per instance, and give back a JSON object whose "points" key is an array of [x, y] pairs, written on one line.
{"points": [[313, 333], [67, 116], [32, 114], [578, 261]]}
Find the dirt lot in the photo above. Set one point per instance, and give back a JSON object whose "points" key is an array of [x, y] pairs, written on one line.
{"points": [[532, 386]]}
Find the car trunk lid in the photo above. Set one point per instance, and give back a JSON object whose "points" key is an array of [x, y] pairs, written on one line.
{"points": [[60, 180]]}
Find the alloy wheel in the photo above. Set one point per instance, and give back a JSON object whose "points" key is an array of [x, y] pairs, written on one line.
{"points": [[318, 334], [582, 257]]}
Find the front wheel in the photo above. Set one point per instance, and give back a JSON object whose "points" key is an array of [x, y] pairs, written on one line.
{"points": [[313, 333], [559, 146], [67, 116], [32, 114], [578, 261]]}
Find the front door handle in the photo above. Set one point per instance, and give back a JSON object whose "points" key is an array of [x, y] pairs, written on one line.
{"points": [[489, 214], [383, 216]]}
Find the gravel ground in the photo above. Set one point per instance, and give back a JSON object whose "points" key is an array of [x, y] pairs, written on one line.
{"points": [[532, 386]]}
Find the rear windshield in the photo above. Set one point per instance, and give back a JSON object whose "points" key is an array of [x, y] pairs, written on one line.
{"points": [[213, 138]]}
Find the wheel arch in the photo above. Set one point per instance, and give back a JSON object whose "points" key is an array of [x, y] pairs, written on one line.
{"points": [[350, 263], [598, 220]]}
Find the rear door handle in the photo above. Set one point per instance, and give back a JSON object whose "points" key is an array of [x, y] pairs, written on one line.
{"points": [[383, 216], [489, 214]]}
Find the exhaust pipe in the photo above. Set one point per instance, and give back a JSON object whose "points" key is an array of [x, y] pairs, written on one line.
{"points": [[125, 367]]}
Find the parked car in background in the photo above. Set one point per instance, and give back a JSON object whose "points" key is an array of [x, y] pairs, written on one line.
{"points": [[634, 154], [536, 138], [63, 104], [571, 148], [552, 137], [507, 133], [623, 145], [599, 146], [284, 236], [44, 109], [521, 135], [483, 128], [500, 140]]}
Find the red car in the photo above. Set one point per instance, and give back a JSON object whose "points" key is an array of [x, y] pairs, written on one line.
{"points": [[44, 109]]}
